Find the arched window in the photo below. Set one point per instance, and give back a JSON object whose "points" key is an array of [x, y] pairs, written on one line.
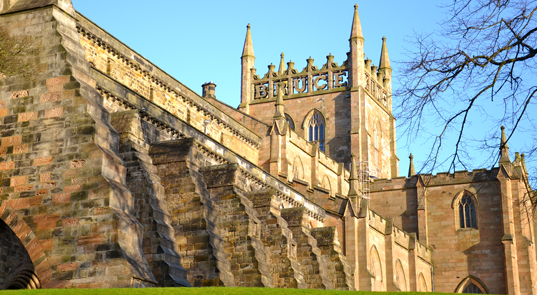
{"points": [[315, 127], [290, 121], [467, 213], [472, 289], [471, 285]]}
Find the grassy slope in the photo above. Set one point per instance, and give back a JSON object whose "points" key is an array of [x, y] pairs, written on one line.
{"points": [[192, 291]]}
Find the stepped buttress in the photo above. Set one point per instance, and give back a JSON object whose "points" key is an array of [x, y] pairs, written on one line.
{"points": [[246, 251], [328, 242], [278, 241], [312, 263], [193, 214], [159, 244]]}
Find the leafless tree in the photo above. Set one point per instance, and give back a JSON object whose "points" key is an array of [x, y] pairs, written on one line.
{"points": [[485, 56], [17, 56]]}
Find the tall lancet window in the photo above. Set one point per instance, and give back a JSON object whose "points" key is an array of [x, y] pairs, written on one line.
{"points": [[316, 129], [467, 214]]}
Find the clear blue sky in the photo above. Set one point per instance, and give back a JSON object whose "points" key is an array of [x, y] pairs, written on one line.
{"points": [[197, 42]]}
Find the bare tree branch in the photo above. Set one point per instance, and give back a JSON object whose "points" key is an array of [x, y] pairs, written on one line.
{"points": [[486, 54]]}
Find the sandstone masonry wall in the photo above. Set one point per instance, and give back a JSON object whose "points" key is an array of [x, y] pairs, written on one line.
{"points": [[60, 169]]}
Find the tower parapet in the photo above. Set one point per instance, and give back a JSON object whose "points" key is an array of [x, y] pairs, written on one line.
{"points": [[312, 80]]}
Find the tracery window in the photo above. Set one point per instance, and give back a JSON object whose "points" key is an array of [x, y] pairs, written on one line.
{"points": [[290, 121], [316, 129], [467, 213]]}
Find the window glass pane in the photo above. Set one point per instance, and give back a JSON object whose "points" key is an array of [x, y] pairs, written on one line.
{"points": [[461, 215], [473, 216], [310, 133], [467, 215], [321, 132], [316, 135]]}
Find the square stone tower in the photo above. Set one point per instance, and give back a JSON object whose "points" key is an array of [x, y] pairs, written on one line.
{"points": [[346, 109]]}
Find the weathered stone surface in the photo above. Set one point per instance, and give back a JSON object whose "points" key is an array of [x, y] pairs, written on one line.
{"points": [[312, 263], [246, 252], [328, 242], [114, 174], [194, 215], [278, 241]]}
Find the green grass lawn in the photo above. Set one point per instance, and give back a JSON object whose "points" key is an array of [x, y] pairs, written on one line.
{"points": [[193, 291]]}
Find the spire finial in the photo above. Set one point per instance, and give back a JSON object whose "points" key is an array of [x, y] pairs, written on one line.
{"points": [[248, 49], [524, 168], [353, 178], [384, 58], [504, 149], [411, 170], [282, 65], [356, 31], [280, 108]]}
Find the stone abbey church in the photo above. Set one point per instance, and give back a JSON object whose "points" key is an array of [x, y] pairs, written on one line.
{"points": [[114, 174]]}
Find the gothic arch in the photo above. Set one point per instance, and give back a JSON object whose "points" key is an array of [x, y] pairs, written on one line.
{"points": [[422, 283], [308, 116], [471, 282], [298, 169], [290, 121], [30, 274], [375, 267], [326, 184], [461, 194], [400, 278], [465, 207], [314, 126]]}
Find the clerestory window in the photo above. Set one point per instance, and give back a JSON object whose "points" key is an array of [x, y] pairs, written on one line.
{"points": [[316, 129], [467, 213]]}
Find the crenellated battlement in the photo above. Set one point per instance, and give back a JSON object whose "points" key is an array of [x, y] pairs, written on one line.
{"points": [[441, 178], [377, 222]]}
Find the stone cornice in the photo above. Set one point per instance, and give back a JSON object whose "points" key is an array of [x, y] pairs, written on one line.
{"points": [[204, 107]]}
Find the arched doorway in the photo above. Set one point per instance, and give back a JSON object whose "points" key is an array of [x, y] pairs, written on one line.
{"points": [[16, 268]]}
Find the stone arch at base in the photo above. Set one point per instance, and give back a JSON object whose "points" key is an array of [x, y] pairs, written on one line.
{"points": [[33, 273], [471, 280]]}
